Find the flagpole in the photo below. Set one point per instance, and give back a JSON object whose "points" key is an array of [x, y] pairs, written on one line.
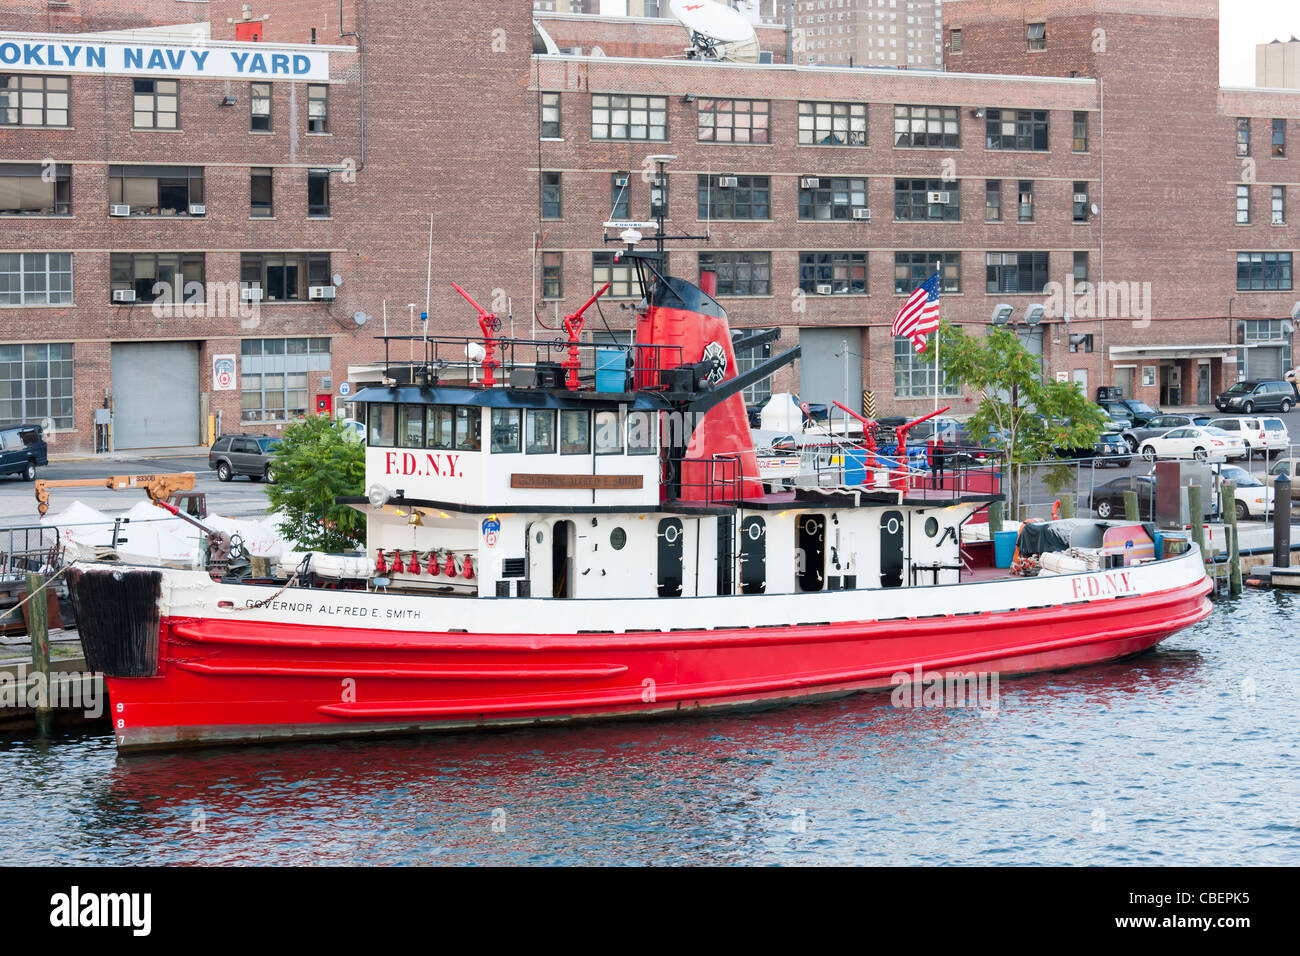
{"points": [[938, 266]]}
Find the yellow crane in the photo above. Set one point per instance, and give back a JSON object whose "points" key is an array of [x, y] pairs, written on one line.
{"points": [[157, 487]]}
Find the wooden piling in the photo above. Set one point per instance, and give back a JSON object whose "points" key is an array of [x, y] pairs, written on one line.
{"points": [[1234, 546], [39, 632], [1196, 510], [1131, 512], [1067, 506], [995, 517]]}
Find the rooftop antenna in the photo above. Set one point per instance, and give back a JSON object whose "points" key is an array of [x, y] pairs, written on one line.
{"points": [[716, 31]]}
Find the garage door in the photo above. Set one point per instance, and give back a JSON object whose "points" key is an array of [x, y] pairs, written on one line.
{"points": [[1267, 361], [155, 394], [823, 376]]}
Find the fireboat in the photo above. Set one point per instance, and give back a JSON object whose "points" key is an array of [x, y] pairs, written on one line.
{"points": [[569, 538]]}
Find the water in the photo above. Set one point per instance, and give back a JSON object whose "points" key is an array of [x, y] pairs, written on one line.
{"points": [[1184, 755]]}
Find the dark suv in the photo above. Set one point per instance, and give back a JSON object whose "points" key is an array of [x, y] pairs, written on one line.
{"points": [[22, 450], [251, 455], [1269, 395]]}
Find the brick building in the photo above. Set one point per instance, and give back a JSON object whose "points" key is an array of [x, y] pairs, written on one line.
{"points": [[1097, 150]]}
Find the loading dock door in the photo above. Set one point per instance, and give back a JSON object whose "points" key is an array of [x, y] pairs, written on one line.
{"points": [[155, 394]]}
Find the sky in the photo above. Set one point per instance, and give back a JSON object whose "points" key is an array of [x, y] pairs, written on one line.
{"points": [[1242, 24]]}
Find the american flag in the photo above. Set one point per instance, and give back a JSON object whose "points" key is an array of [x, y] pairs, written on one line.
{"points": [[919, 315]]}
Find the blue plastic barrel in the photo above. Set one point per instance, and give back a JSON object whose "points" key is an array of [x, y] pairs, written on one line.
{"points": [[1004, 548], [611, 370]]}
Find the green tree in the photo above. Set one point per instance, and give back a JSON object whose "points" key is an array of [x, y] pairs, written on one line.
{"points": [[1030, 419], [316, 462]]}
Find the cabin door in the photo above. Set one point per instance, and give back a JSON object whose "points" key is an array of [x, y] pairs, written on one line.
{"points": [[563, 536], [753, 556], [891, 549], [811, 553], [540, 558], [670, 549]]}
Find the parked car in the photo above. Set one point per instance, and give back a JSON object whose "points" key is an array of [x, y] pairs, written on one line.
{"points": [[1138, 411], [22, 451], [1254, 498], [1257, 396], [251, 455], [1199, 442], [1107, 499], [1289, 467], [1259, 434], [1158, 425], [355, 430]]}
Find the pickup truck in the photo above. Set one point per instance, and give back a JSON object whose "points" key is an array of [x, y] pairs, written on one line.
{"points": [[1289, 467]]}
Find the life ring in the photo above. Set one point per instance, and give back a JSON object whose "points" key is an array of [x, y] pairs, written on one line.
{"points": [[1056, 509]]}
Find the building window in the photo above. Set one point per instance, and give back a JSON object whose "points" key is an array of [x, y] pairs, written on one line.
{"points": [[954, 36], [259, 101], [273, 382], [1080, 267], [619, 188], [621, 276], [35, 189], [1080, 132], [154, 276], [35, 278], [1279, 137], [318, 108], [157, 190], [832, 124], [1081, 202], [318, 193], [284, 276], [927, 127], [1017, 272], [1263, 271], [1243, 205], [36, 384], [552, 275], [833, 273], [261, 192], [1025, 201], [739, 273], [913, 268], [750, 357], [617, 116], [1016, 129], [993, 200], [913, 376], [1279, 205], [550, 116], [552, 207], [739, 197], [823, 198], [1243, 136], [156, 104], [27, 100], [920, 200], [733, 121], [1037, 35]]}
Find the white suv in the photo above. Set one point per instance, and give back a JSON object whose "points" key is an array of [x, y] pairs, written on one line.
{"points": [[1259, 432]]}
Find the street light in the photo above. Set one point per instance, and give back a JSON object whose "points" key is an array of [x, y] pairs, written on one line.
{"points": [[1002, 314]]}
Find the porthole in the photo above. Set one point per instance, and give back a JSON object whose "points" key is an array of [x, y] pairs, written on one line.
{"points": [[617, 539], [931, 527]]}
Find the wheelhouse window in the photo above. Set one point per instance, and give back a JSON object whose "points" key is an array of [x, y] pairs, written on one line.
{"points": [[27, 100], [156, 104], [575, 432], [609, 433], [619, 116], [620, 275], [35, 189], [157, 190], [410, 426], [318, 193], [833, 273], [469, 428], [824, 198], [1017, 272], [318, 108], [733, 121], [1016, 129], [734, 197], [259, 100], [1257, 271], [641, 433], [913, 268], [35, 278], [284, 276], [36, 384], [156, 276], [921, 200], [550, 116], [539, 431], [927, 127], [739, 273], [505, 431], [832, 124], [440, 427], [381, 425]]}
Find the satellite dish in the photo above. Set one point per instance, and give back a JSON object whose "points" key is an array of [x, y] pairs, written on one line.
{"points": [[338, 279], [1295, 312], [717, 32], [360, 318], [1095, 209], [597, 51]]}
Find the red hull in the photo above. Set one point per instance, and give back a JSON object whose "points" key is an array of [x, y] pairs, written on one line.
{"points": [[225, 681]]}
